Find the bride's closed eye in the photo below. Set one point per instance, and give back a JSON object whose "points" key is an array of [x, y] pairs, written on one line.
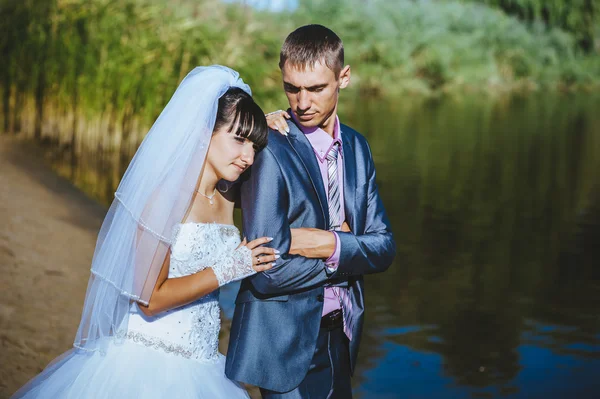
{"points": [[242, 140]]}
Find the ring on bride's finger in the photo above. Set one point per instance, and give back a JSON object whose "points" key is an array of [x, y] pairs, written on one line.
{"points": [[258, 259]]}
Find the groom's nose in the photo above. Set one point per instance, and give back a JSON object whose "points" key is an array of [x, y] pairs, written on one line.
{"points": [[303, 101]]}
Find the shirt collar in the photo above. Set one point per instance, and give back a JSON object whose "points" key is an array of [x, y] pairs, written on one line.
{"points": [[320, 140]]}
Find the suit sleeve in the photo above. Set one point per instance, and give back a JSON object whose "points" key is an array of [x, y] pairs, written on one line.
{"points": [[373, 251], [265, 204]]}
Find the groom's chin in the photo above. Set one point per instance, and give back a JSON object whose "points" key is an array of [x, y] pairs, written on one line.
{"points": [[311, 124], [314, 122]]}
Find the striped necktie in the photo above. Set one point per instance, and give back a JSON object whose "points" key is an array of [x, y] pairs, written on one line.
{"points": [[335, 222], [333, 189]]}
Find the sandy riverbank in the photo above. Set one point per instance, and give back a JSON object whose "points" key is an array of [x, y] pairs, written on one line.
{"points": [[48, 232]]}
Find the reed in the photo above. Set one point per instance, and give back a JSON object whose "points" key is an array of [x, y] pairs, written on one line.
{"points": [[95, 74]]}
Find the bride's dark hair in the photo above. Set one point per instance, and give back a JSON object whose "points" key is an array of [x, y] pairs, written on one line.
{"points": [[238, 110]]}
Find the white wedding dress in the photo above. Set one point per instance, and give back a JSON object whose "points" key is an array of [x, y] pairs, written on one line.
{"points": [[173, 355]]}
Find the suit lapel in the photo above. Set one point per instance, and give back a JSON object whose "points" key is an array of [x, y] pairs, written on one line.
{"points": [[305, 152], [349, 178]]}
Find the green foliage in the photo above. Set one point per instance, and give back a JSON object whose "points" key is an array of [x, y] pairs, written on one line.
{"points": [[106, 55], [122, 59], [429, 46], [580, 17]]}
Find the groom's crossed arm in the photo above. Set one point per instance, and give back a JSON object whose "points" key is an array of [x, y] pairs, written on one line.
{"points": [[363, 252], [265, 205], [374, 249]]}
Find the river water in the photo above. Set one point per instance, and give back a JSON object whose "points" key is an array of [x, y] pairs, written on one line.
{"points": [[495, 207]]}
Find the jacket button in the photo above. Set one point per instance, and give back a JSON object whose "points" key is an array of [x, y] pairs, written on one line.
{"points": [[320, 298]]}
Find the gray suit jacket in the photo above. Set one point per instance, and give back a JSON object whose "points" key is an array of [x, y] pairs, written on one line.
{"points": [[278, 312]]}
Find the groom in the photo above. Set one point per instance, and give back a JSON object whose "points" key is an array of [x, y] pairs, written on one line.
{"points": [[297, 327]]}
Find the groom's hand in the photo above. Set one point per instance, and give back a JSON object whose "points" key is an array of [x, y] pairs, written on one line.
{"points": [[277, 121], [345, 228], [312, 243]]}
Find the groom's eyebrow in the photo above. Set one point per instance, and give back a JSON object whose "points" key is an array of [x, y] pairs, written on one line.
{"points": [[317, 87], [289, 86]]}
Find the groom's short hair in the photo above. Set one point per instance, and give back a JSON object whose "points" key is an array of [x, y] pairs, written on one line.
{"points": [[311, 44]]}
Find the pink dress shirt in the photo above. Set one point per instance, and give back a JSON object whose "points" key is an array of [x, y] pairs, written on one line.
{"points": [[321, 143]]}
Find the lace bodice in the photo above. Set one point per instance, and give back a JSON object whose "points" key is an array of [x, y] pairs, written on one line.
{"points": [[191, 331]]}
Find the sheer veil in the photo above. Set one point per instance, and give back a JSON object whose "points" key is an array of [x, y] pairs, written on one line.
{"points": [[151, 199]]}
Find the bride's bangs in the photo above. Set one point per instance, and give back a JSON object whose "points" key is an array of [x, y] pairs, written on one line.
{"points": [[250, 122]]}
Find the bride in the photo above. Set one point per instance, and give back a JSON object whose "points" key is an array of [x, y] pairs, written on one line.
{"points": [[150, 323]]}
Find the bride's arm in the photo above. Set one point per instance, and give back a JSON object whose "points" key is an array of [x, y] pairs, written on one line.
{"points": [[170, 293]]}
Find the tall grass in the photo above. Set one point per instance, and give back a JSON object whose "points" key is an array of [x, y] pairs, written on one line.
{"points": [[105, 68], [96, 73]]}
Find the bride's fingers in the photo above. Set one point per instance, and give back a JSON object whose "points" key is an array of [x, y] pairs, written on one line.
{"points": [[264, 251], [280, 126], [282, 130], [283, 126], [277, 121], [264, 255], [262, 268], [259, 241], [272, 124], [274, 120], [263, 259]]}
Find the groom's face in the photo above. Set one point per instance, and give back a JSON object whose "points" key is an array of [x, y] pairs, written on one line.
{"points": [[313, 92]]}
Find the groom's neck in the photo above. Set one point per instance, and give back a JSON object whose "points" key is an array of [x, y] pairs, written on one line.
{"points": [[328, 125]]}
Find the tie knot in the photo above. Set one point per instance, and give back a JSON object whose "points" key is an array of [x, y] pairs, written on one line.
{"points": [[332, 155]]}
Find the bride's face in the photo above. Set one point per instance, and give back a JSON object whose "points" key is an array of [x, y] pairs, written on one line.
{"points": [[229, 154]]}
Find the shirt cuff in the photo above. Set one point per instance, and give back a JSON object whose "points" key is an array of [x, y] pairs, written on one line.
{"points": [[333, 261]]}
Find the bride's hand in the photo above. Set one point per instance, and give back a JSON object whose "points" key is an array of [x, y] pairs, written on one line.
{"points": [[277, 121], [262, 257]]}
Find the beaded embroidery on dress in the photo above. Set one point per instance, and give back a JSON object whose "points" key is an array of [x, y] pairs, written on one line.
{"points": [[191, 331], [174, 354]]}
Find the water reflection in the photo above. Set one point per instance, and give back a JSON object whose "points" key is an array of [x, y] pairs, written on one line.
{"points": [[496, 208]]}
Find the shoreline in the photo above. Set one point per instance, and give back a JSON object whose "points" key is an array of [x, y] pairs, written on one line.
{"points": [[47, 239]]}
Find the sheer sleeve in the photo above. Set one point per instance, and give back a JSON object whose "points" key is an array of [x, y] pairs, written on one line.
{"points": [[234, 267]]}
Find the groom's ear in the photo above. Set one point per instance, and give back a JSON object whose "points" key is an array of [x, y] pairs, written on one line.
{"points": [[344, 79]]}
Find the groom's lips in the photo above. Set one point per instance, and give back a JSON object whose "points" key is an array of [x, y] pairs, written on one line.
{"points": [[306, 117]]}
